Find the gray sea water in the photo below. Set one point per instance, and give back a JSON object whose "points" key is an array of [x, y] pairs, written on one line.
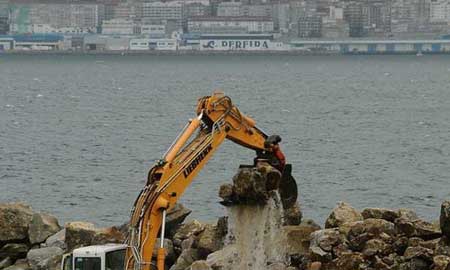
{"points": [[79, 133]]}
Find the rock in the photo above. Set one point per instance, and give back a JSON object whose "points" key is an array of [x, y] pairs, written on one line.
{"points": [[14, 221], [322, 243], [375, 247], [426, 230], [222, 226], [186, 258], [209, 240], [200, 265], [418, 252], [443, 247], [45, 258], [298, 238], [276, 266], [363, 231], [176, 216], [14, 251], [400, 245], [444, 219], [226, 193], [41, 227], [186, 230], [21, 266], [168, 245], [188, 243], [57, 240], [417, 228], [293, 215], [80, 234], [251, 185], [441, 262], [380, 213], [407, 214], [315, 266], [5, 262], [342, 213], [220, 258], [350, 261]]}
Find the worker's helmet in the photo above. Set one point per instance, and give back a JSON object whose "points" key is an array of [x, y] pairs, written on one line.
{"points": [[272, 139]]}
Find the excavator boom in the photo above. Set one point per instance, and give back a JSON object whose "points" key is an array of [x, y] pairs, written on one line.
{"points": [[217, 119]]}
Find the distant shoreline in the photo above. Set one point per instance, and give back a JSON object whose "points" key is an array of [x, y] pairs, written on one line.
{"points": [[202, 53]]}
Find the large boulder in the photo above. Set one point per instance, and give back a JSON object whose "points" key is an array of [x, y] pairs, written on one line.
{"points": [[341, 214], [223, 257], [293, 215], [41, 227], [380, 213], [14, 221], [5, 262], [14, 251], [191, 228], [80, 234], [252, 185], [57, 240], [209, 240], [200, 265], [176, 216], [48, 258], [20, 264], [351, 261], [361, 232], [324, 243], [441, 262], [298, 238], [445, 219], [186, 258]]}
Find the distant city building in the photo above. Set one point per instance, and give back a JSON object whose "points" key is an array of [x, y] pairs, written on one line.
{"points": [[118, 26], [55, 15], [229, 9], [4, 19], [48, 29], [310, 27], [259, 10], [153, 30], [164, 12], [230, 25], [440, 11]]}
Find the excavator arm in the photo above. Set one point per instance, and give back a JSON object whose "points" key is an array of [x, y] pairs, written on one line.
{"points": [[217, 119]]}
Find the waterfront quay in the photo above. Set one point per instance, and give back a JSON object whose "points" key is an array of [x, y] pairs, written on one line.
{"points": [[212, 44]]}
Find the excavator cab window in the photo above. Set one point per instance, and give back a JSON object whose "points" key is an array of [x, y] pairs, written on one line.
{"points": [[114, 260], [87, 263]]}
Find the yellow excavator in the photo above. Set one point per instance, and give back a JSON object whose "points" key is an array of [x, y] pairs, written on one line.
{"points": [[217, 119]]}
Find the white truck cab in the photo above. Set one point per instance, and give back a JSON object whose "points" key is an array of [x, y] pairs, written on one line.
{"points": [[100, 257]]}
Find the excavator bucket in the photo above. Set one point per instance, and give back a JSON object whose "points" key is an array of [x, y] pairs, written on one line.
{"points": [[288, 188]]}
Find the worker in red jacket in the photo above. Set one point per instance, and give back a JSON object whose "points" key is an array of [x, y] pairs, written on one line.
{"points": [[277, 160]]}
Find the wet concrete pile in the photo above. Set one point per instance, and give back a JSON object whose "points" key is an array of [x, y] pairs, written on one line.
{"points": [[258, 233]]}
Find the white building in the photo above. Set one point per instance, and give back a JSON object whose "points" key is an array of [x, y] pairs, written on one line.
{"points": [[440, 11], [48, 29], [230, 25], [160, 44], [229, 9], [118, 26], [153, 29], [161, 12]]}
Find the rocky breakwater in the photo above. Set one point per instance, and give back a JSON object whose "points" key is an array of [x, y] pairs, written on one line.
{"points": [[36, 241], [258, 233]]}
